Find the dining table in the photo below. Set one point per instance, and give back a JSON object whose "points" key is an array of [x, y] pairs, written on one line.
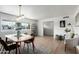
{"points": [[22, 38]]}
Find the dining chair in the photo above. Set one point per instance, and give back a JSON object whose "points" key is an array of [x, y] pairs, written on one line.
{"points": [[8, 47], [6, 39], [9, 41], [30, 41]]}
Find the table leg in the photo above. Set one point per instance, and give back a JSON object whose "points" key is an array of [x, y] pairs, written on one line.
{"points": [[17, 47]]}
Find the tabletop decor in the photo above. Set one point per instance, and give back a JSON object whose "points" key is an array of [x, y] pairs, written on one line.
{"points": [[18, 29]]}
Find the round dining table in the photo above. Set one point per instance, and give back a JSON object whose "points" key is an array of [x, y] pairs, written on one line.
{"points": [[22, 38]]}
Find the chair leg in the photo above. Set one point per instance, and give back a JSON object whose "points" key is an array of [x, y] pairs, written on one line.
{"points": [[24, 44], [27, 47], [75, 50], [9, 52], [6, 39], [19, 50], [33, 47], [1, 48], [65, 47], [19, 47]]}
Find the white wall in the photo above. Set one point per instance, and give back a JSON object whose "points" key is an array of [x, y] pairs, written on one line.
{"points": [[76, 27], [56, 21]]}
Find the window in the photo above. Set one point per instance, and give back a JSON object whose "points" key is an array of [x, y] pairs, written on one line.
{"points": [[25, 26], [7, 25], [11, 25]]}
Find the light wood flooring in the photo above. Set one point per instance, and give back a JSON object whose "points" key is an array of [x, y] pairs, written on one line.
{"points": [[46, 45], [51, 45]]}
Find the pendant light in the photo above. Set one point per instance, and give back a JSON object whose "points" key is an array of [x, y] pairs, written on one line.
{"points": [[20, 15]]}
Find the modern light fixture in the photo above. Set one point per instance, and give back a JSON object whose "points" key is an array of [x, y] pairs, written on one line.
{"points": [[20, 15]]}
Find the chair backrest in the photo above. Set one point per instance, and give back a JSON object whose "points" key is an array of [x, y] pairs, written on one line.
{"points": [[3, 43], [32, 39]]}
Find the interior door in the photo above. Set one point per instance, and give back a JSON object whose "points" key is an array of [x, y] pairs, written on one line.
{"points": [[48, 28]]}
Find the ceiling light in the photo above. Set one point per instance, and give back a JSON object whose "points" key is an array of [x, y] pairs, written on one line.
{"points": [[20, 16]]}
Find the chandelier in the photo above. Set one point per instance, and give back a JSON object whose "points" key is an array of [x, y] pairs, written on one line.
{"points": [[20, 15]]}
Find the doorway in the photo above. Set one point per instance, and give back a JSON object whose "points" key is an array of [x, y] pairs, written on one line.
{"points": [[48, 28]]}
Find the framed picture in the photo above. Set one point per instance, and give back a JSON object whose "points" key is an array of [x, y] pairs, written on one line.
{"points": [[62, 23]]}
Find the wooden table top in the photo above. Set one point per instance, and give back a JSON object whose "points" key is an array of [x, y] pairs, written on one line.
{"points": [[21, 39]]}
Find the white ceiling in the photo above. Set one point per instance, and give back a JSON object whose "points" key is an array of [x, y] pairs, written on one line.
{"points": [[40, 11]]}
